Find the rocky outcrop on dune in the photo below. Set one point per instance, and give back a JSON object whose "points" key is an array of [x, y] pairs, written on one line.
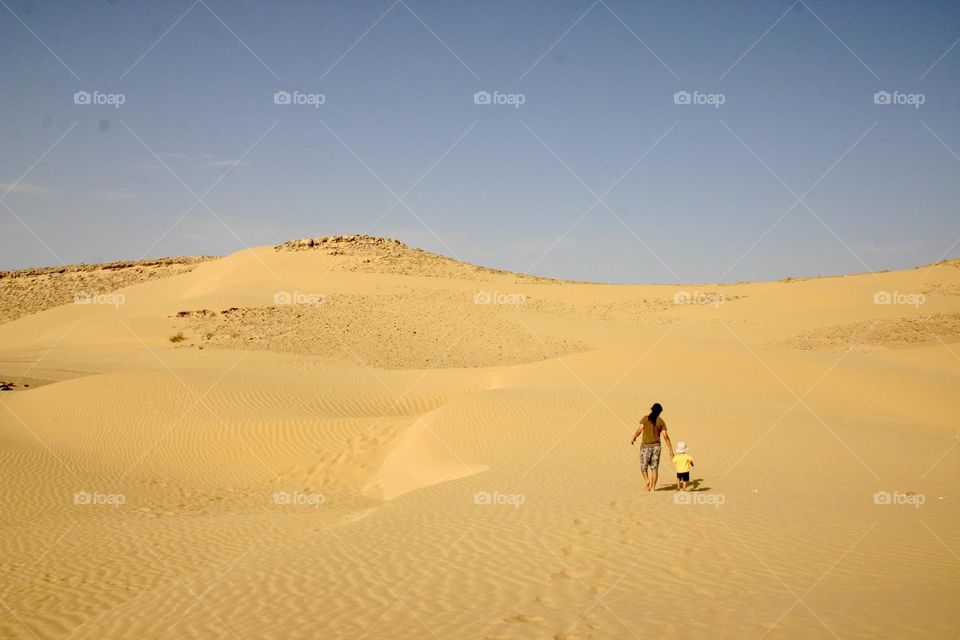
{"points": [[340, 245], [32, 290], [375, 254]]}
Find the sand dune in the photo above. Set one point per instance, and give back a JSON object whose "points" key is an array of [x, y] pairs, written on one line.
{"points": [[32, 290], [880, 333], [358, 439]]}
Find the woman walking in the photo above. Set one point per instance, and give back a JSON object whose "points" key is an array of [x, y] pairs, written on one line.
{"points": [[649, 431]]}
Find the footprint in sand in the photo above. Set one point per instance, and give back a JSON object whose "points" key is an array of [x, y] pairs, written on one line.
{"points": [[588, 624], [523, 618], [677, 572], [570, 549], [566, 574], [580, 521], [545, 601], [565, 636]]}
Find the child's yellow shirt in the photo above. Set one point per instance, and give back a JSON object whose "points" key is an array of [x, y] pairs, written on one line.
{"points": [[682, 462]]}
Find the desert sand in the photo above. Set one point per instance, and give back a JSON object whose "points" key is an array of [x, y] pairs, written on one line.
{"points": [[350, 438]]}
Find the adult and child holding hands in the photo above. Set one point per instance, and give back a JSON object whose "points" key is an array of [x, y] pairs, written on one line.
{"points": [[650, 431]]}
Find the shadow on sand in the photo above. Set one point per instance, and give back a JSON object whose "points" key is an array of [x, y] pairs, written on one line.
{"points": [[693, 485]]}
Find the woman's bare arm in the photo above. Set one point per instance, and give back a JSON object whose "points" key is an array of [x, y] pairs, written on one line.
{"points": [[666, 439]]}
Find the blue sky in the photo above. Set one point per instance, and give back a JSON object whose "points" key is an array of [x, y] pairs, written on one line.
{"points": [[599, 174]]}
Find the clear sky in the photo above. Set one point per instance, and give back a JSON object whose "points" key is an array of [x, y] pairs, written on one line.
{"points": [[586, 162]]}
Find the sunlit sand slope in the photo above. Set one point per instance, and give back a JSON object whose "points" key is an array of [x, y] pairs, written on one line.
{"points": [[354, 439]]}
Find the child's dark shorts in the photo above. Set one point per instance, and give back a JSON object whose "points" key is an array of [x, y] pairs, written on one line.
{"points": [[684, 477]]}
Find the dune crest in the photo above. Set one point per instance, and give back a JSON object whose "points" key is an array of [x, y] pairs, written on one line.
{"points": [[376, 254]]}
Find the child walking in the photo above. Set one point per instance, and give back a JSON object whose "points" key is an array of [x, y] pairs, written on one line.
{"points": [[682, 461]]}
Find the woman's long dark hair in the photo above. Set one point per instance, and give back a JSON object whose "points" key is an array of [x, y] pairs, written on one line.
{"points": [[655, 412]]}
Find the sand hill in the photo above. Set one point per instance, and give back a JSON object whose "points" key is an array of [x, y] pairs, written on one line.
{"points": [[31, 290], [385, 255], [345, 437]]}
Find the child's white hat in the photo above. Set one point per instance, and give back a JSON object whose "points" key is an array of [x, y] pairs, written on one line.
{"points": [[681, 447]]}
